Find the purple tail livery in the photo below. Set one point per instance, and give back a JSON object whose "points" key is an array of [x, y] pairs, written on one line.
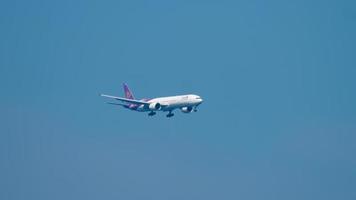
{"points": [[128, 93]]}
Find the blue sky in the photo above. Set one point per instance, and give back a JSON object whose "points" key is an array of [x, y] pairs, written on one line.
{"points": [[277, 77]]}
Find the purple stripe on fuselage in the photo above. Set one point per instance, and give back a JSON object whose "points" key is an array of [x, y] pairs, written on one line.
{"points": [[133, 106]]}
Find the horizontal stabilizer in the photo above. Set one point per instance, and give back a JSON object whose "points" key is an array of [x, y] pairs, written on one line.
{"points": [[116, 104]]}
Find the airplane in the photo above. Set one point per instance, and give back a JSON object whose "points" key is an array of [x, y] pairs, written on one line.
{"points": [[186, 103]]}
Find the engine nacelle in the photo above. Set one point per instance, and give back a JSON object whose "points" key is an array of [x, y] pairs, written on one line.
{"points": [[155, 106], [188, 109]]}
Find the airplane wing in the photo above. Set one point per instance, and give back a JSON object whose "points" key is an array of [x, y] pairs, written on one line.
{"points": [[126, 100]]}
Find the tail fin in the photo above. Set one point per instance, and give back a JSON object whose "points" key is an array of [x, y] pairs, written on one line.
{"points": [[128, 93]]}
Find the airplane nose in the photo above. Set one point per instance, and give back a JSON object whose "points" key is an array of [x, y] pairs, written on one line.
{"points": [[198, 100]]}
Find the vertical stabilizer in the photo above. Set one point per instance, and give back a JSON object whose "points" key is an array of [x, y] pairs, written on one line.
{"points": [[128, 93]]}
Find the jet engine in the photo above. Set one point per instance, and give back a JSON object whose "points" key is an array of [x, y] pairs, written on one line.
{"points": [[187, 109], [155, 106]]}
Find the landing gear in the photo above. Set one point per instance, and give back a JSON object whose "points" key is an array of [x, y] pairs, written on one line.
{"points": [[151, 113], [170, 114]]}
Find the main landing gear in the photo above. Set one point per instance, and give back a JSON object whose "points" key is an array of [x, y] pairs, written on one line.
{"points": [[170, 114], [151, 113]]}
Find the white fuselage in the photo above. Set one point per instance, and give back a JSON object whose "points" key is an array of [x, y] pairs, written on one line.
{"points": [[173, 102], [186, 103]]}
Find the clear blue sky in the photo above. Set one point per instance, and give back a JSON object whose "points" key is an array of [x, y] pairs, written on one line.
{"points": [[278, 79]]}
